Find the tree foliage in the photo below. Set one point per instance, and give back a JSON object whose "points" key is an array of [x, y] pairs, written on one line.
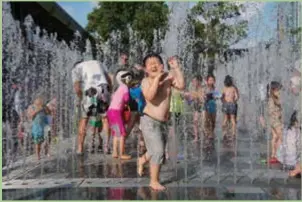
{"points": [[143, 17], [297, 34], [217, 26]]}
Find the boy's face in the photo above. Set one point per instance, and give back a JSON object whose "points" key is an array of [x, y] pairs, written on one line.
{"points": [[211, 81], [154, 67]]}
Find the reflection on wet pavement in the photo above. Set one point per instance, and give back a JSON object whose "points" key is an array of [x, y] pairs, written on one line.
{"points": [[145, 193], [99, 177], [188, 176]]}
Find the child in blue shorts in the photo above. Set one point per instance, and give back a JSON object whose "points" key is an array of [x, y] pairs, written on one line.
{"points": [[210, 119]]}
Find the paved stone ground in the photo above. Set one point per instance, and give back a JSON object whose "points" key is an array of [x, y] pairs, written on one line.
{"points": [[225, 175]]}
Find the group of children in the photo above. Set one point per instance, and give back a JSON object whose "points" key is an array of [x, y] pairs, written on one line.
{"points": [[154, 96], [285, 143], [203, 98]]}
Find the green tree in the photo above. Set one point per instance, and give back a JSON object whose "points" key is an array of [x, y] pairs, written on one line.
{"points": [[143, 17], [216, 27], [297, 33]]}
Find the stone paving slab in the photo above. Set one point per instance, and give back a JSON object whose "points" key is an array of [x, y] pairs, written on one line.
{"points": [[266, 174], [41, 183], [114, 182], [243, 190]]}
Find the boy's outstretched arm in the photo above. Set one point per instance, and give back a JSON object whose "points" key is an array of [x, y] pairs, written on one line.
{"points": [[179, 80]]}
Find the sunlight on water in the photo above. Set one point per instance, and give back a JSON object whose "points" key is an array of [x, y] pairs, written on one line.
{"points": [[42, 65]]}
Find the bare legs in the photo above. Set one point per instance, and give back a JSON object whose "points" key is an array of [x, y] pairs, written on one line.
{"points": [[38, 149], [154, 178], [234, 125], [134, 119], [119, 142], [97, 131], [195, 119], [141, 162], [82, 134], [123, 156], [209, 128], [154, 172], [276, 140], [226, 119], [106, 129], [115, 147]]}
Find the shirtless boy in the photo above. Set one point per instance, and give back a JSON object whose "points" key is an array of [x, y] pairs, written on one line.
{"points": [[156, 88], [229, 106]]}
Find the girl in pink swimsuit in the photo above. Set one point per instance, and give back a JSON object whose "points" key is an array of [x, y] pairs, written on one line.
{"points": [[115, 113]]}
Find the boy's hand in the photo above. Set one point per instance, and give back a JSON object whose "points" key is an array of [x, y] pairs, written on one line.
{"points": [[161, 76], [173, 62], [165, 78]]}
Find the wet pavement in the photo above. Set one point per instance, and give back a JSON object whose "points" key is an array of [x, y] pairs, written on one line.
{"points": [[144, 193], [225, 174]]}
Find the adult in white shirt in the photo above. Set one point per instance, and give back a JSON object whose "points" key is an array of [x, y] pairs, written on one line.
{"points": [[90, 80]]}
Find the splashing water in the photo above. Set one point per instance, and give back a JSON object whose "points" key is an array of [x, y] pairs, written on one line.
{"points": [[42, 65]]}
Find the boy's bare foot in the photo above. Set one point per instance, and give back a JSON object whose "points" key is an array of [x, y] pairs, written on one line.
{"points": [[157, 187], [114, 156], [294, 173], [125, 157]]}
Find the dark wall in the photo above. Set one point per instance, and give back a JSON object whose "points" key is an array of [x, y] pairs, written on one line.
{"points": [[44, 20], [41, 18]]}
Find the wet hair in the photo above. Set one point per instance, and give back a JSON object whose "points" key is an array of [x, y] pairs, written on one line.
{"points": [[198, 77], [271, 87], [228, 81], [211, 76], [124, 53], [293, 119], [153, 55]]}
